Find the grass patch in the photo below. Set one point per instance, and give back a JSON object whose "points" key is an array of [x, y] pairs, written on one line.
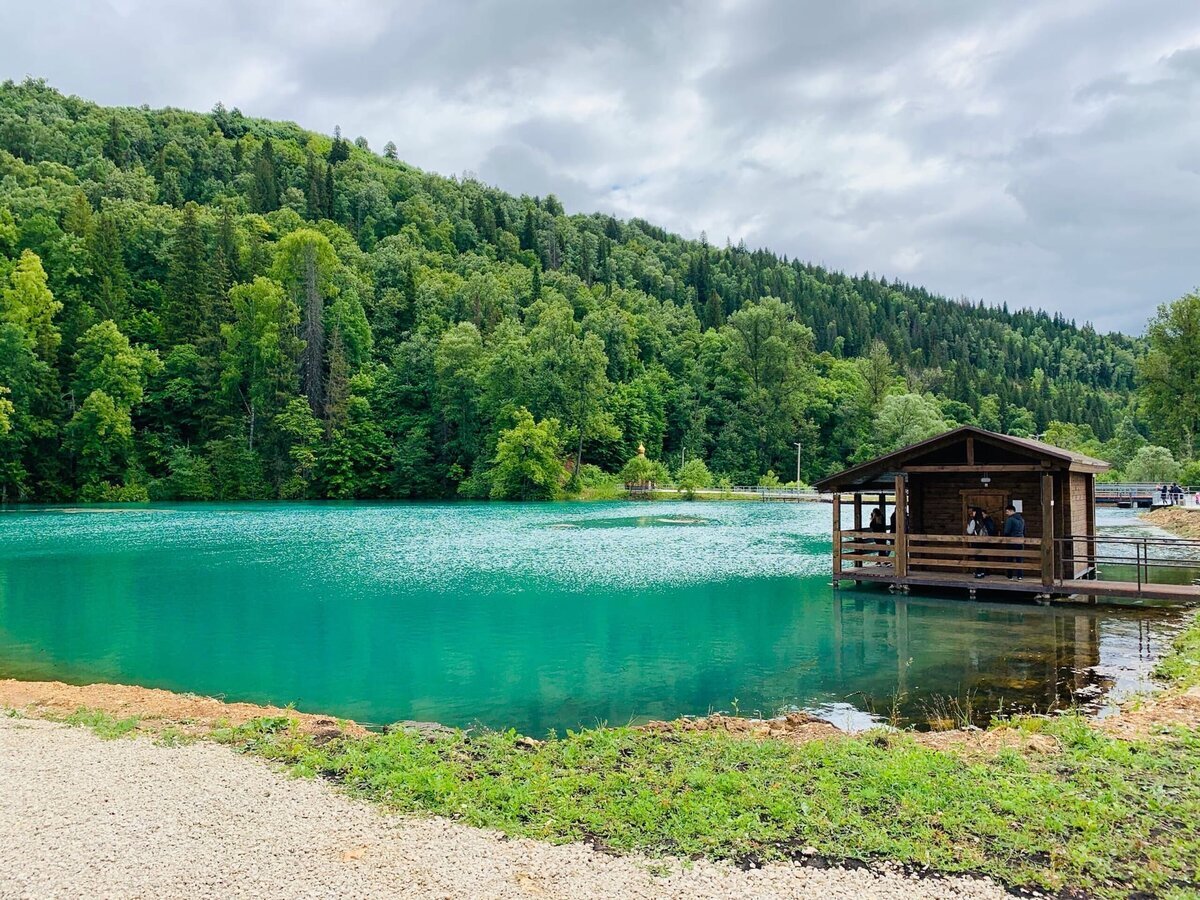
{"points": [[1181, 667], [171, 736], [1105, 815], [103, 724]]}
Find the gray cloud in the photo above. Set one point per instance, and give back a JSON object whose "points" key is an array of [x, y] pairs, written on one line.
{"points": [[1036, 154]]}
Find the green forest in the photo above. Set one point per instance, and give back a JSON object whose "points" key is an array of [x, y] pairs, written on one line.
{"points": [[210, 306]]}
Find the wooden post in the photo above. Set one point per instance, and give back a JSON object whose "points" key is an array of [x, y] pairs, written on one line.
{"points": [[837, 537], [901, 535], [1047, 529], [1090, 524], [858, 526]]}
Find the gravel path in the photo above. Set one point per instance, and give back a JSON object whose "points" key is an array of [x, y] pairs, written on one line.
{"points": [[82, 817]]}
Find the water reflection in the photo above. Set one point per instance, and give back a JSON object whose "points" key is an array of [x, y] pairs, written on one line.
{"points": [[1002, 656]]}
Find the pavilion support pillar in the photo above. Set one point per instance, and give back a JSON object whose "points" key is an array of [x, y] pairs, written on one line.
{"points": [[901, 535], [1047, 529], [858, 520], [837, 538]]}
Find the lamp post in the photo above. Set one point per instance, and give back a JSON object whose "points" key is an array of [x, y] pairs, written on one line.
{"points": [[797, 465]]}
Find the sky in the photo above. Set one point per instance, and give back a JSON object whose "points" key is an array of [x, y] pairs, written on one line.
{"points": [[1035, 154]]}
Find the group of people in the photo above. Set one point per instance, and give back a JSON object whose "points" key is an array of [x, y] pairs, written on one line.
{"points": [[979, 525], [982, 525], [1171, 494]]}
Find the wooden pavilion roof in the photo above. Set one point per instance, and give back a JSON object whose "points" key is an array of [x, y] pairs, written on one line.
{"points": [[880, 473]]}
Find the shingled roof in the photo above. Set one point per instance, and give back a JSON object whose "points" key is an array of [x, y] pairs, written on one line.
{"points": [[875, 472]]}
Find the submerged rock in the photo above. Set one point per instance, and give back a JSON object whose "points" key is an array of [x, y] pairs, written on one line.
{"points": [[429, 730]]}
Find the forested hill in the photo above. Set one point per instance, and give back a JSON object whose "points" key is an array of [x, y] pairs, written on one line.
{"points": [[210, 305]]}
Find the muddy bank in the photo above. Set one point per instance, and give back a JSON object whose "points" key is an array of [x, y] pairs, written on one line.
{"points": [[188, 712], [198, 716], [1179, 520]]}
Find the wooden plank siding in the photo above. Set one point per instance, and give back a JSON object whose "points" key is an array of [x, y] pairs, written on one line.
{"points": [[936, 500], [1079, 497]]}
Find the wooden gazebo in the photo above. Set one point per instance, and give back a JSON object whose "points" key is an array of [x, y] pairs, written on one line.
{"points": [[926, 491]]}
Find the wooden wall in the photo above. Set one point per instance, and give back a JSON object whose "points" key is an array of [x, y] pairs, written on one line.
{"points": [[1078, 512], [936, 504], [936, 500]]}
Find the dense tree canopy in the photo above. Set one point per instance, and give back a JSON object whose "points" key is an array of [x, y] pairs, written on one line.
{"points": [[212, 306]]}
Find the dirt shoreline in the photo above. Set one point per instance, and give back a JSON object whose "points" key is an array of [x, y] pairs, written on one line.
{"points": [[197, 716], [1179, 520], [154, 707]]}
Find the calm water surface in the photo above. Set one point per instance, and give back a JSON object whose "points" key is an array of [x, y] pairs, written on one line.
{"points": [[537, 616]]}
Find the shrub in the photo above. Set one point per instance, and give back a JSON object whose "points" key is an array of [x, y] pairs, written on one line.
{"points": [[693, 476]]}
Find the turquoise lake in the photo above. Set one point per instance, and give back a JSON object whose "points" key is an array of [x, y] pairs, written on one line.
{"points": [[533, 616]]}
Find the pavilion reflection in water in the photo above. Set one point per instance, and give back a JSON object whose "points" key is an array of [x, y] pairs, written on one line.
{"points": [[1011, 658]]}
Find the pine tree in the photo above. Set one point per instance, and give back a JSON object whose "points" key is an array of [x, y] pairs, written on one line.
{"points": [[116, 145], [265, 195], [304, 264], [529, 232], [328, 195], [112, 284], [714, 311], [316, 188], [189, 281], [340, 150], [337, 385], [79, 220], [535, 286], [227, 269]]}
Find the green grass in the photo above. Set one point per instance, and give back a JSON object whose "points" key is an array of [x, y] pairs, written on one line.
{"points": [[603, 491], [1104, 815], [103, 724], [1181, 667]]}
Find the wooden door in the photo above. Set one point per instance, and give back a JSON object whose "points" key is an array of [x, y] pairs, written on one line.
{"points": [[991, 500]]}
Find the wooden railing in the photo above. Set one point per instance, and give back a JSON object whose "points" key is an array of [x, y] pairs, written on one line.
{"points": [[945, 553], [991, 555]]}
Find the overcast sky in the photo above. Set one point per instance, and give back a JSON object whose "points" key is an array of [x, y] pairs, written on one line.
{"points": [[1043, 154]]}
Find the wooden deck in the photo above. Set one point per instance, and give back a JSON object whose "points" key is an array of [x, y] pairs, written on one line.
{"points": [[1086, 586]]}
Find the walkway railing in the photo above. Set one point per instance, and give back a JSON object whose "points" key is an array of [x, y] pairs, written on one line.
{"points": [[1098, 554], [775, 493], [1143, 493]]}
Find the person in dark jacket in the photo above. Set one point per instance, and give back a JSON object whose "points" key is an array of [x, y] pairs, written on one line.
{"points": [[878, 525], [1014, 526]]}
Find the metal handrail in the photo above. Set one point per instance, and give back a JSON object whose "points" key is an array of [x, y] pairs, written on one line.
{"points": [[1142, 560], [1111, 486]]}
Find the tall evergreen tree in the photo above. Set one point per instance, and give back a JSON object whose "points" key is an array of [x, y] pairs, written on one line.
{"points": [[304, 263], [265, 194], [189, 288], [111, 282]]}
